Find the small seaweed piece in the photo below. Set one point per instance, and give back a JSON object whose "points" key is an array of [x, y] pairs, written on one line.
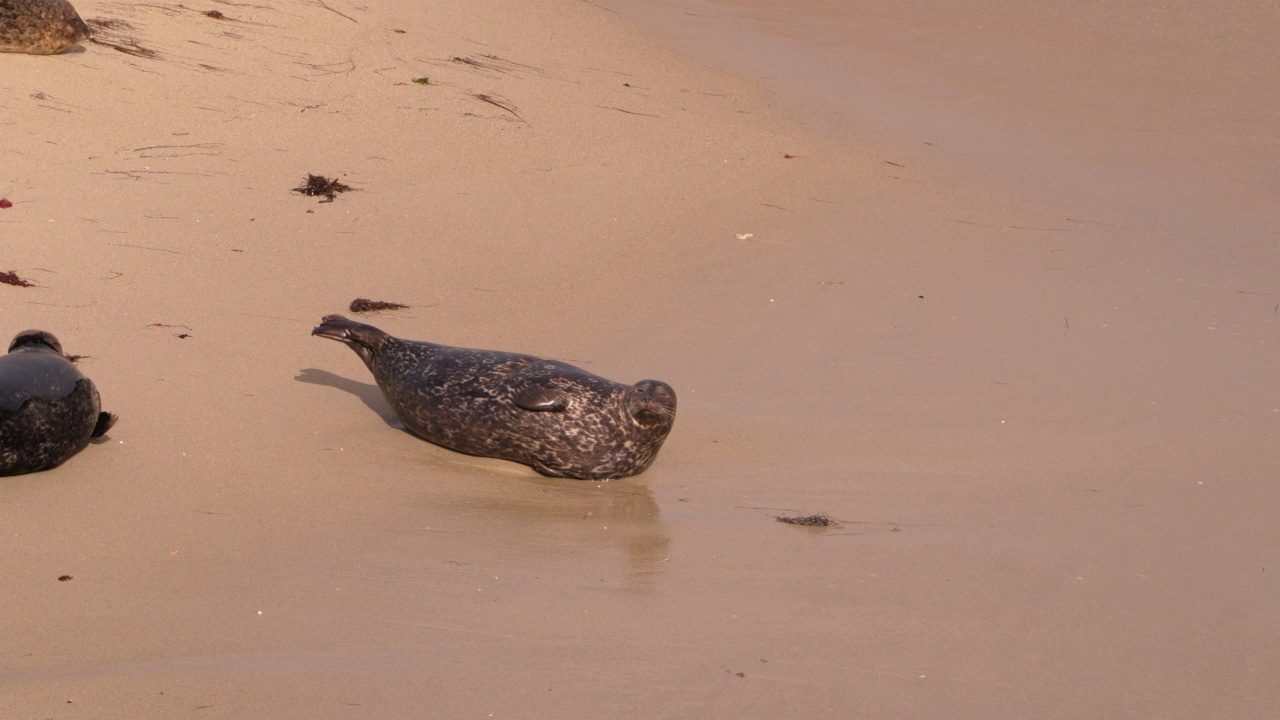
{"points": [[319, 185], [215, 14], [467, 61], [11, 278], [819, 520], [363, 305], [502, 104], [5, 203], [493, 63], [422, 81]]}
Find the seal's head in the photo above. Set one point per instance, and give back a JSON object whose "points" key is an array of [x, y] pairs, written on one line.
{"points": [[35, 341], [40, 27], [366, 340], [651, 402], [68, 29]]}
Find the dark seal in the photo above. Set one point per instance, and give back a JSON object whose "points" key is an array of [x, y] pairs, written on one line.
{"points": [[558, 419], [40, 27], [48, 410]]}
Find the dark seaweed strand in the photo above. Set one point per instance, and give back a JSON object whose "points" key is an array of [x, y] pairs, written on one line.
{"points": [[364, 305], [819, 520]]}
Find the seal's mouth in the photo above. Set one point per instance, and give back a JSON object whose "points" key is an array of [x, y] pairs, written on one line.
{"points": [[650, 412], [340, 334]]}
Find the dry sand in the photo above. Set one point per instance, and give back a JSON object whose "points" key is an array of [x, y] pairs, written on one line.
{"points": [[1018, 333]]}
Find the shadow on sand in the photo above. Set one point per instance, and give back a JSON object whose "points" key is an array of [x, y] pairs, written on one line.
{"points": [[368, 393]]}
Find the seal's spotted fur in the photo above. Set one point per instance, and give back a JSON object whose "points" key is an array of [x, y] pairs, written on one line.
{"points": [[560, 420], [48, 410], [39, 27]]}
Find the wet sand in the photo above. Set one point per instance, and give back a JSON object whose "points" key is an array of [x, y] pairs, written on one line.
{"points": [[1025, 356]]}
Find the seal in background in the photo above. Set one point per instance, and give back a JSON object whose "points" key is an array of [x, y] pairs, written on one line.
{"points": [[48, 410]]}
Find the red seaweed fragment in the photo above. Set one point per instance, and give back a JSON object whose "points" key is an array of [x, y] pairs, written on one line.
{"points": [[319, 185], [5, 203], [11, 278]]}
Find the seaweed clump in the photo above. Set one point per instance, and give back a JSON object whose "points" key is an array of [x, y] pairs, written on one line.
{"points": [[11, 278], [321, 186], [363, 305], [819, 520]]}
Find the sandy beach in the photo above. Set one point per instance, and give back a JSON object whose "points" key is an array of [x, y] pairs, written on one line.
{"points": [[995, 288]]}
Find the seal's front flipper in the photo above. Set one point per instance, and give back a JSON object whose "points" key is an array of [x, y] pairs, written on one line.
{"points": [[541, 399], [544, 470], [105, 421]]}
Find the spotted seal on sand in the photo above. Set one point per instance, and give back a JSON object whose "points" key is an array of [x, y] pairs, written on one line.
{"points": [[48, 410], [558, 419], [39, 27]]}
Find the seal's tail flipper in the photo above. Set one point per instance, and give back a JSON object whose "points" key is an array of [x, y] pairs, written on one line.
{"points": [[364, 339], [105, 421]]}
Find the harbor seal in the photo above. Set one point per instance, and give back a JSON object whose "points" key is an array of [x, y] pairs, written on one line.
{"points": [[558, 419], [48, 410], [40, 27]]}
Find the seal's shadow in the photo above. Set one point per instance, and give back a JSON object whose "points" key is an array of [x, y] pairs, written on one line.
{"points": [[368, 393]]}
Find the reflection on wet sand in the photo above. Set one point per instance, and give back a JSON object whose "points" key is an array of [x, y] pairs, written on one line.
{"points": [[550, 517]]}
